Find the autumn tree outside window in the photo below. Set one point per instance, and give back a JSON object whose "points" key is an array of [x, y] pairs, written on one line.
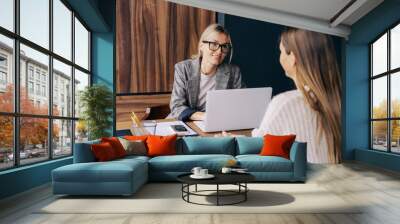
{"points": [[44, 64], [385, 91]]}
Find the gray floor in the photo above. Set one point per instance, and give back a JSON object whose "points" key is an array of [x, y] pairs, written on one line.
{"points": [[378, 188]]}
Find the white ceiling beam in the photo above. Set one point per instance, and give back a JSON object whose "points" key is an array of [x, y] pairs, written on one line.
{"points": [[348, 12], [268, 15]]}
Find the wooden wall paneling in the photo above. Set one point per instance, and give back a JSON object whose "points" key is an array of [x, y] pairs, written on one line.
{"points": [[152, 36], [138, 104]]}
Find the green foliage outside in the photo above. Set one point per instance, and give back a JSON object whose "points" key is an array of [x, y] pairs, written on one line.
{"points": [[96, 102], [380, 127]]}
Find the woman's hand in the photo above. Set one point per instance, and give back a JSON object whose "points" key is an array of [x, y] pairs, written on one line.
{"points": [[198, 116], [225, 134]]}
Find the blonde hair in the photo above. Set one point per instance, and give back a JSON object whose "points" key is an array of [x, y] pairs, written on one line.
{"points": [[318, 79], [209, 30]]}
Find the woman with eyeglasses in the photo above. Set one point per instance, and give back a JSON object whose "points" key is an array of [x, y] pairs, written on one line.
{"points": [[206, 71]]}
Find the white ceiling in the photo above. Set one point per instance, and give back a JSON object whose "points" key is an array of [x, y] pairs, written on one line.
{"points": [[316, 15]]}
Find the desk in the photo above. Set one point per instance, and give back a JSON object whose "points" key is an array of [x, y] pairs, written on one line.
{"points": [[192, 125]]}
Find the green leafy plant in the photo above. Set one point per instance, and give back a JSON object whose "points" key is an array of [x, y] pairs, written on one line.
{"points": [[96, 104]]}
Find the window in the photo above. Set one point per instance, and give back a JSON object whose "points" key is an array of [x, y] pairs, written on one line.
{"points": [[3, 78], [51, 134], [30, 87], [7, 14], [62, 31], [35, 22], [3, 61], [62, 74], [38, 74], [81, 45], [38, 89], [44, 91], [385, 91], [30, 72]]}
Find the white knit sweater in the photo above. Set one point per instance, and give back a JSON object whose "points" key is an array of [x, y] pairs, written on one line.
{"points": [[289, 113]]}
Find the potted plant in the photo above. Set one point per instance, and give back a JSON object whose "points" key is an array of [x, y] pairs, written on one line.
{"points": [[96, 104]]}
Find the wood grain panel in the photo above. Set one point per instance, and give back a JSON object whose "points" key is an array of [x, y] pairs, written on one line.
{"points": [[153, 35], [138, 104]]}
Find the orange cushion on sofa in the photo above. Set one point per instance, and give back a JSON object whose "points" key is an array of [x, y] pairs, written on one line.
{"points": [[136, 137], [277, 145], [161, 145], [116, 145], [103, 152]]}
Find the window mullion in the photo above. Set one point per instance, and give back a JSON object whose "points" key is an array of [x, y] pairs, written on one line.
{"points": [[389, 106], [16, 84], [50, 81], [73, 82]]}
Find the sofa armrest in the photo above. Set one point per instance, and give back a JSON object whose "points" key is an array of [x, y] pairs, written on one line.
{"points": [[298, 155], [83, 152]]}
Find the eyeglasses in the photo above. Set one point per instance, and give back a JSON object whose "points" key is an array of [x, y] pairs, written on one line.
{"points": [[214, 46]]}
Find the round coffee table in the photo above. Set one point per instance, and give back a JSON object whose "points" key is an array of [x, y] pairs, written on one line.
{"points": [[238, 179]]}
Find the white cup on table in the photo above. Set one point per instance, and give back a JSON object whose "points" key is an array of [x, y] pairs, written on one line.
{"points": [[196, 171], [203, 172]]}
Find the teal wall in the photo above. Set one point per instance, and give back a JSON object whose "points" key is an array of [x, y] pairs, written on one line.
{"points": [[103, 51], [99, 16], [356, 85], [24, 178]]}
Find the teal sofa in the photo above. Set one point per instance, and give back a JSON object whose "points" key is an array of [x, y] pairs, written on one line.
{"points": [[125, 176]]}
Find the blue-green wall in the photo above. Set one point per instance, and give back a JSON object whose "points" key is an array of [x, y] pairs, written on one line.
{"points": [[356, 84], [24, 178], [103, 50]]}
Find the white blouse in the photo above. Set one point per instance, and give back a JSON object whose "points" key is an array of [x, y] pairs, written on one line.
{"points": [[289, 113]]}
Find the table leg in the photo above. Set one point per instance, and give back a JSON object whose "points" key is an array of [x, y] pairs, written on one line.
{"points": [[217, 194], [196, 188], [245, 193]]}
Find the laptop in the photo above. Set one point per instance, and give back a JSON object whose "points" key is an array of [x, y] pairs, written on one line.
{"points": [[235, 109]]}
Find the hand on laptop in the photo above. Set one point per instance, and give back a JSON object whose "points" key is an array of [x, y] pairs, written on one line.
{"points": [[224, 134], [198, 116]]}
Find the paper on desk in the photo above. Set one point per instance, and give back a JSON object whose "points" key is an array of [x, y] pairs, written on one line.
{"points": [[164, 128]]}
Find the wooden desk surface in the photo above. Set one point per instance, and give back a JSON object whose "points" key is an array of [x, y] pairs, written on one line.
{"points": [[192, 125]]}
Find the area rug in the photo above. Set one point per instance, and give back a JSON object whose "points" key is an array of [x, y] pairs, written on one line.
{"points": [[167, 198]]}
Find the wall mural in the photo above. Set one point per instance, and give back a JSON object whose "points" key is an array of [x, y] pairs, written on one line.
{"points": [[152, 36]]}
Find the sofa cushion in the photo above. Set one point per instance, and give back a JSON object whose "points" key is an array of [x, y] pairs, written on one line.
{"points": [[277, 145], [185, 163], [103, 152], [249, 145], [112, 171], [116, 145], [257, 163], [161, 145], [134, 147], [208, 145]]}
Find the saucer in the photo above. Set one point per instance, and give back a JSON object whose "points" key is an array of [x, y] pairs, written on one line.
{"points": [[208, 176]]}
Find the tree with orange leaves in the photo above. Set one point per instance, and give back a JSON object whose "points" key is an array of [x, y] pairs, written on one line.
{"points": [[33, 130]]}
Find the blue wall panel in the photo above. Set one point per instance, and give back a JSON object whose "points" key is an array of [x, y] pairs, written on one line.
{"points": [[24, 178]]}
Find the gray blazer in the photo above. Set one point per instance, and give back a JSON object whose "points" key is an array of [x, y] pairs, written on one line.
{"points": [[187, 83]]}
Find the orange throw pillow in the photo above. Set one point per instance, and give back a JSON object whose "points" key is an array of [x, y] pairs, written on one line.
{"points": [[116, 145], [277, 145], [103, 152], [161, 145], [136, 137]]}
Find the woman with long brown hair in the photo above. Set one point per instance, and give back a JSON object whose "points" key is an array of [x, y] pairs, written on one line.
{"points": [[312, 112]]}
